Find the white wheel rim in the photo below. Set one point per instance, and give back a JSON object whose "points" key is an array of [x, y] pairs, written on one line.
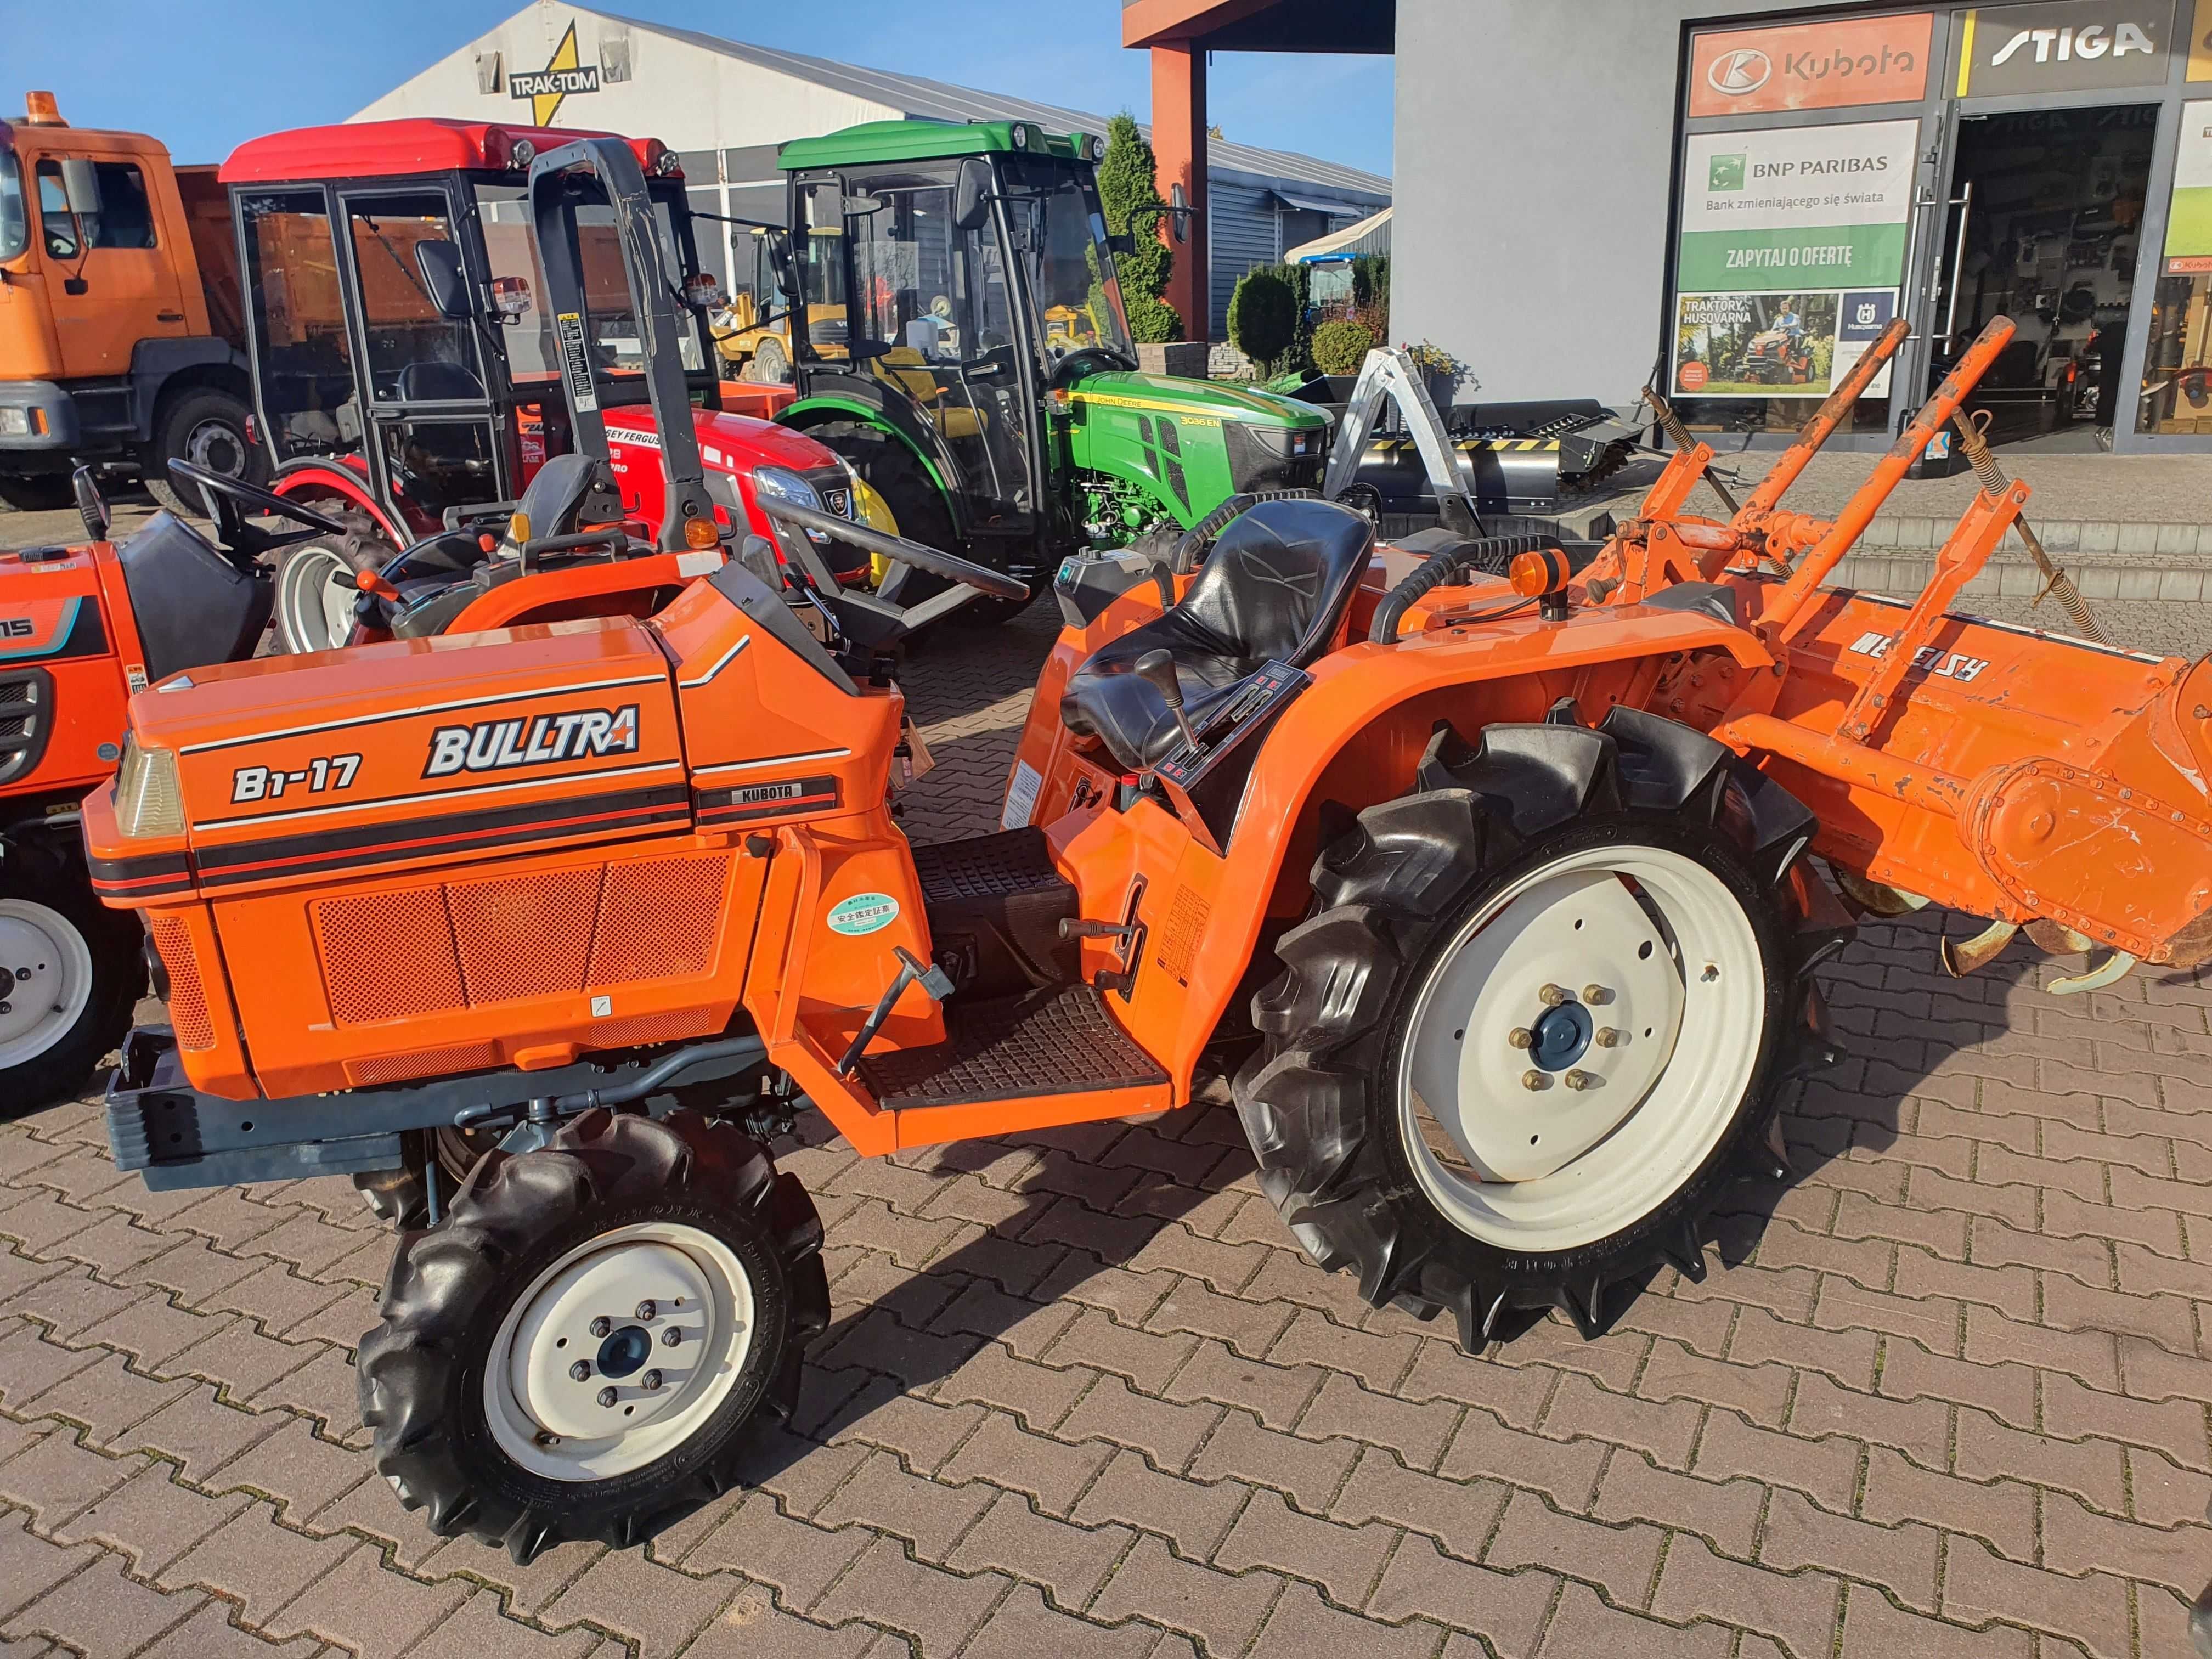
{"points": [[550, 1420], [318, 615], [1554, 1167], [47, 966]]}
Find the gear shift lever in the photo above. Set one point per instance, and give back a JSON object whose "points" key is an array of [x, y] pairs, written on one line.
{"points": [[1156, 670]]}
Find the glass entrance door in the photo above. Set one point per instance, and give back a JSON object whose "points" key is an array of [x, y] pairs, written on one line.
{"points": [[2044, 216]]}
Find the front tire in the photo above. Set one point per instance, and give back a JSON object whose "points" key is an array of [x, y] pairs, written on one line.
{"points": [[1535, 1022], [73, 970], [582, 1258]]}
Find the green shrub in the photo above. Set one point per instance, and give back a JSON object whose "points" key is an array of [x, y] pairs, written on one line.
{"points": [[1128, 190], [1263, 316], [1340, 348]]}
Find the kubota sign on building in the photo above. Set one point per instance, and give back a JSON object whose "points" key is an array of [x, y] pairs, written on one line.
{"points": [[1833, 65]]}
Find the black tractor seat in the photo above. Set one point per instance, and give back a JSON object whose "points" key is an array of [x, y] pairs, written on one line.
{"points": [[440, 577], [1274, 590]]}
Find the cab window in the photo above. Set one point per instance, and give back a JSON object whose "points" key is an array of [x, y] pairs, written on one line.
{"points": [[119, 215], [300, 349], [14, 222], [415, 354]]}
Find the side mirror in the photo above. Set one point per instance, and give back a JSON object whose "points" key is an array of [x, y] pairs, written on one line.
{"points": [[440, 265], [1180, 213], [971, 195], [785, 265], [80, 185]]}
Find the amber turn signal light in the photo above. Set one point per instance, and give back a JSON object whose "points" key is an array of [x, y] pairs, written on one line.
{"points": [[1535, 574], [700, 532]]}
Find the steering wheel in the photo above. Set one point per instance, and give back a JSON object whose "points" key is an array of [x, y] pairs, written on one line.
{"points": [[1086, 360], [228, 500], [868, 539]]}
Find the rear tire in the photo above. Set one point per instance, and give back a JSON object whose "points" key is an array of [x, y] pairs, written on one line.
{"points": [[75, 971], [311, 613], [44, 493], [895, 473], [769, 366], [1440, 921], [206, 427], [469, 1384]]}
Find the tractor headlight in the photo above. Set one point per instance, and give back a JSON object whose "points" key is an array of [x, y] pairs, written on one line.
{"points": [[148, 801], [782, 484]]}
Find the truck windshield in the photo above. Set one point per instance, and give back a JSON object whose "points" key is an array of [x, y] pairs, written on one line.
{"points": [[1054, 213], [511, 250], [14, 222]]}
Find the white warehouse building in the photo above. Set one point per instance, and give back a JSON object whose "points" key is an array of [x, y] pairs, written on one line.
{"points": [[725, 107]]}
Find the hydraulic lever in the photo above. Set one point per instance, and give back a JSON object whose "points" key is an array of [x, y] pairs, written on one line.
{"points": [[1156, 670]]}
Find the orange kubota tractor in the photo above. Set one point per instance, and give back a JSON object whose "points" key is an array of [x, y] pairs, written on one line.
{"points": [[1495, 887]]}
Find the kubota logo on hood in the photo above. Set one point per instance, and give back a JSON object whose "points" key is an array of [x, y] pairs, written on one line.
{"points": [[496, 746], [1737, 73]]}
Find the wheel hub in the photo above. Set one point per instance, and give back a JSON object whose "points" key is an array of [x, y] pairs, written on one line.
{"points": [[46, 979], [214, 446], [1562, 1035], [569, 1401]]}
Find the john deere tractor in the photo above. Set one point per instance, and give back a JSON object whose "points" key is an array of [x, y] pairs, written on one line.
{"points": [[964, 346]]}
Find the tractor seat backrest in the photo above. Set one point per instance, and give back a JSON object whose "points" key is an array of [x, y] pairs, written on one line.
{"points": [[439, 381], [1274, 589], [558, 494]]}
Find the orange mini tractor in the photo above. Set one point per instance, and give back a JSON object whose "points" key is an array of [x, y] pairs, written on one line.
{"points": [[1492, 891]]}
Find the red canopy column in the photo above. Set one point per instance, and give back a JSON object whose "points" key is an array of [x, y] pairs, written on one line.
{"points": [[1179, 150]]}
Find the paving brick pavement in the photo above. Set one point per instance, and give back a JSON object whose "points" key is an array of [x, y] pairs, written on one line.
{"points": [[1946, 1392]]}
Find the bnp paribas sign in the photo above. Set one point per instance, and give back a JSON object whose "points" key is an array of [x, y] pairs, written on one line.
{"points": [[2061, 45]]}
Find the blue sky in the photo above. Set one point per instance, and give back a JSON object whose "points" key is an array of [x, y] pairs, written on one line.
{"points": [[202, 77]]}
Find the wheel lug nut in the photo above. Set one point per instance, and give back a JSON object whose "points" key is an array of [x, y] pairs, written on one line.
{"points": [[602, 1325], [1579, 1080], [546, 1437], [606, 1396], [645, 1309], [580, 1372], [1596, 995], [673, 1336], [650, 1382], [1522, 1038], [1607, 1037], [1533, 1079], [1550, 996]]}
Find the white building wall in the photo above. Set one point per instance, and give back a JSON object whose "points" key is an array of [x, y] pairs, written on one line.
{"points": [[685, 96], [1535, 157]]}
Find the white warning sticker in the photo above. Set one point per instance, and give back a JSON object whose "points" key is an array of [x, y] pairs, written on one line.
{"points": [[1021, 797]]}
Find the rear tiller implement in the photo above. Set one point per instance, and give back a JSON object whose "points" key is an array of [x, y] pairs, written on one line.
{"points": [[1490, 890]]}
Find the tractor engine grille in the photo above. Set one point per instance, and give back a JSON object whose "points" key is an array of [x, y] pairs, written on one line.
{"points": [[188, 1004], [26, 697], [408, 951]]}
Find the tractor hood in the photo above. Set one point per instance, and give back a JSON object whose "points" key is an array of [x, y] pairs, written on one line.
{"points": [[1166, 394]]}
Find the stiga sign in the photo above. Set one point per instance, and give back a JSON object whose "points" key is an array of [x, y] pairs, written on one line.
{"points": [[2061, 45], [1832, 65]]}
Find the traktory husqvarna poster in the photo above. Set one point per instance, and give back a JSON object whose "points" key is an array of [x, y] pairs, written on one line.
{"points": [[1791, 255]]}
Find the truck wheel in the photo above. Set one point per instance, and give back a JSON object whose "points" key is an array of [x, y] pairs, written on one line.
{"points": [[74, 970], [315, 598], [584, 1347], [45, 492], [1534, 1021], [207, 428]]}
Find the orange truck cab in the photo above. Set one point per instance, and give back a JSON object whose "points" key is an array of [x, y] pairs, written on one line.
{"points": [[121, 338]]}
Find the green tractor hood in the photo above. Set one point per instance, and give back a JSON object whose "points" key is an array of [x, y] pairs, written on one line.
{"points": [[1190, 444]]}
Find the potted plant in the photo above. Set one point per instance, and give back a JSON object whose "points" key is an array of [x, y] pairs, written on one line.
{"points": [[1441, 370]]}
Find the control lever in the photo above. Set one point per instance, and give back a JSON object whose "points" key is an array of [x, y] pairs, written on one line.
{"points": [[912, 971], [1156, 670]]}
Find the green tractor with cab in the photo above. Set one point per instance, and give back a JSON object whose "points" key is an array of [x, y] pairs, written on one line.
{"points": [[962, 344]]}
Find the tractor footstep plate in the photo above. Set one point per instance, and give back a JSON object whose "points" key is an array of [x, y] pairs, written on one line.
{"points": [[1054, 1041]]}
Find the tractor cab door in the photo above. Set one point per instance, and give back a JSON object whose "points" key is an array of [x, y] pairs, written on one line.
{"points": [[434, 441], [934, 316]]}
